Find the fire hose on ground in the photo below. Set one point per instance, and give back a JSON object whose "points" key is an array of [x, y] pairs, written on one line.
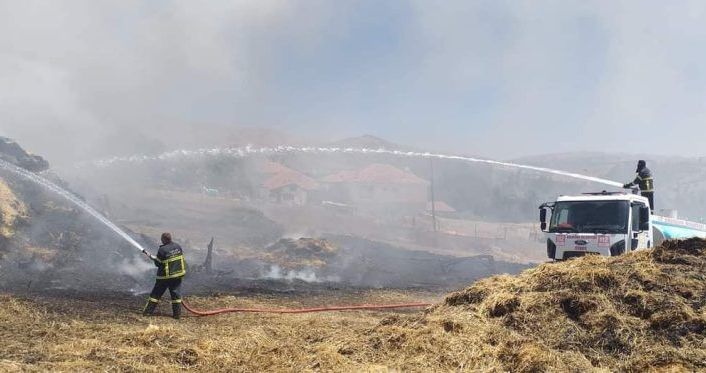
{"points": [[372, 307]]}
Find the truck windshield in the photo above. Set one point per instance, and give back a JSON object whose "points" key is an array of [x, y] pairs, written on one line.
{"points": [[590, 217]]}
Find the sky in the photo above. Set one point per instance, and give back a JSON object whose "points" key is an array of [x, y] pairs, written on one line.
{"points": [[502, 79]]}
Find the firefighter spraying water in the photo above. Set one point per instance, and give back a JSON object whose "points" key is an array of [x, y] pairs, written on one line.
{"points": [[171, 268], [645, 182]]}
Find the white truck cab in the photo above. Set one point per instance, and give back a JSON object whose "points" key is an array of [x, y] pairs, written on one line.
{"points": [[604, 223]]}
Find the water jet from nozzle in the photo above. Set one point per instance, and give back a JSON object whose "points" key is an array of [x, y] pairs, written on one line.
{"points": [[48, 185], [241, 152]]}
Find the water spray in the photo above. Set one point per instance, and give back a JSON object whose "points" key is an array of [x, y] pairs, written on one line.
{"points": [[31, 176], [39, 180], [242, 152]]}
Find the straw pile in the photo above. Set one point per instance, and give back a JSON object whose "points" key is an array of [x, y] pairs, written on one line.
{"points": [[635, 312]]}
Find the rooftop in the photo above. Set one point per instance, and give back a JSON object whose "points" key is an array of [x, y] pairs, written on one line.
{"points": [[281, 176], [376, 174]]}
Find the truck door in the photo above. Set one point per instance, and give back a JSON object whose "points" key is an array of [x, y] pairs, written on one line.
{"points": [[638, 239]]}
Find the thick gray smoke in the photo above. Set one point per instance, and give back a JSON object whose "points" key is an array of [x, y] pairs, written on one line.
{"points": [[82, 79]]}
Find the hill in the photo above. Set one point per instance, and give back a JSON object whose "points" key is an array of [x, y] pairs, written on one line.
{"points": [[12, 152], [367, 142]]}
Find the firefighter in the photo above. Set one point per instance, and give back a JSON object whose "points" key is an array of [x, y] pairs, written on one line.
{"points": [[171, 268], [645, 182]]}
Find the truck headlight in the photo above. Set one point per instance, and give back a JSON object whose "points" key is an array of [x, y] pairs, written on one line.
{"points": [[618, 248]]}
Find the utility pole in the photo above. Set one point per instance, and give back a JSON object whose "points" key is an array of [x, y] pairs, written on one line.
{"points": [[433, 198]]}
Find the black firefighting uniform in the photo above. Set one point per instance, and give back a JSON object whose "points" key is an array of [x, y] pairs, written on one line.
{"points": [[171, 268], [646, 184]]}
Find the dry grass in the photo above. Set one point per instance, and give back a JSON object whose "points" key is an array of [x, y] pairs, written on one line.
{"points": [[638, 312], [61, 334], [11, 208]]}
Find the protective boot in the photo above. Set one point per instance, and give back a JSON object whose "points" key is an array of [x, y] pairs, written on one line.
{"points": [[149, 307], [176, 310]]}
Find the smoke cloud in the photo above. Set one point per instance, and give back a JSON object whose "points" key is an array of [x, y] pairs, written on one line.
{"points": [[81, 79], [275, 272]]}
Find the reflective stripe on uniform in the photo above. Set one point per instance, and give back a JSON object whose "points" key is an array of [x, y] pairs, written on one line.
{"points": [[646, 182], [176, 301], [167, 272], [149, 300], [649, 184]]}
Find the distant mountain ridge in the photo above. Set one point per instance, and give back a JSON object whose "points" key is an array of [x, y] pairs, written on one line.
{"points": [[368, 142]]}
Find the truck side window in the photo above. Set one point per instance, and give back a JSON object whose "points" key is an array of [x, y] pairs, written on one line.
{"points": [[636, 216], [563, 217]]}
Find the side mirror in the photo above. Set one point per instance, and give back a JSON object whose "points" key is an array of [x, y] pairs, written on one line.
{"points": [[543, 219], [644, 218]]}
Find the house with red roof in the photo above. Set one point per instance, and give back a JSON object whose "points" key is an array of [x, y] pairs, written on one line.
{"points": [[378, 185], [285, 185], [440, 207]]}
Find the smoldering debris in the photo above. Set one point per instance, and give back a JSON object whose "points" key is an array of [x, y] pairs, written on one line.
{"points": [[301, 253], [355, 262]]}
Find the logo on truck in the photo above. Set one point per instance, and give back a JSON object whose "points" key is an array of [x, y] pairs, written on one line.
{"points": [[604, 241], [581, 242], [561, 240]]}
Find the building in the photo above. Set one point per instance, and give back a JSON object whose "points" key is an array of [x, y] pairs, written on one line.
{"points": [[287, 186], [378, 186], [440, 207]]}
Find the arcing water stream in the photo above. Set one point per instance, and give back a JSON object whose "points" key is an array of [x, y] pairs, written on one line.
{"points": [[31, 176], [249, 150]]}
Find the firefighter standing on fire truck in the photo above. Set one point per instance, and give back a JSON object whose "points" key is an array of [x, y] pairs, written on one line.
{"points": [[171, 268], [645, 182]]}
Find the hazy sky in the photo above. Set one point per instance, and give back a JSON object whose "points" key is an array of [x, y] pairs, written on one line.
{"points": [[496, 78]]}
